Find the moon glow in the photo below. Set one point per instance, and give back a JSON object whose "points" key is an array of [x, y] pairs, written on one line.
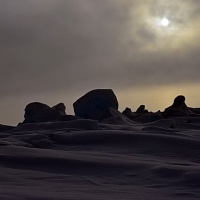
{"points": [[164, 22]]}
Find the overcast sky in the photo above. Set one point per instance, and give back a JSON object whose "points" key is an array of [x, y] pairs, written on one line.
{"points": [[55, 51]]}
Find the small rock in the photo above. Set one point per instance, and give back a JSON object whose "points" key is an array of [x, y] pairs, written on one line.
{"points": [[61, 108], [141, 110]]}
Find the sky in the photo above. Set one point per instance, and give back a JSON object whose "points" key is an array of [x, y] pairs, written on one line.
{"points": [[56, 51]]}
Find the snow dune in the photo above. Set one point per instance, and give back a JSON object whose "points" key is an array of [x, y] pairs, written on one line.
{"points": [[115, 158]]}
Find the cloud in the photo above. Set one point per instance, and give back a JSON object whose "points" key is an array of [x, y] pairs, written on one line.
{"points": [[70, 45]]}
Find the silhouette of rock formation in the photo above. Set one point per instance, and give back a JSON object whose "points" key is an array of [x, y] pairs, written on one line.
{"points": [[148, 117], [5, 128], [94, 104], [111, 112], [38, 112], [142, 115], [195, 110], [141, 110], [128, 113], [100, 104], [178, 108], [60, 107]]}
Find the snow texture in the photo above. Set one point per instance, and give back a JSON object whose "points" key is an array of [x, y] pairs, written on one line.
{"points": [[115, 159]]}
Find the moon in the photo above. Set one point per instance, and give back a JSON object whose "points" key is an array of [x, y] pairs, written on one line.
{"points": [[164, 22]]}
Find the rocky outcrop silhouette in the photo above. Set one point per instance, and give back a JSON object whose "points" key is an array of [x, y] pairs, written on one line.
{"points": [[5, 127], [37, 112], [148, 117], [141, 110], [61, 108], [94, 104], [101, 104], [128, 113], [111, 112], [178, 108], [195, 110], [142, 115]]}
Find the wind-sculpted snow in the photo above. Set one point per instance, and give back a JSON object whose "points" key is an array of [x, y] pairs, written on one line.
{"points": [[115, 158]]}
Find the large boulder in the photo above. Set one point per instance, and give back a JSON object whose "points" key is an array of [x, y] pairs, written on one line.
{"points": [[38, 112], [94, 104]]}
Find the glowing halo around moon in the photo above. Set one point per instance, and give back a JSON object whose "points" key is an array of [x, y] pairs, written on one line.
{"points": [[165, 22], [162, 22], [167, 25]]}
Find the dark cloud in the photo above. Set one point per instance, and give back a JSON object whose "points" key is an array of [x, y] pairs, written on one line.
{"points": [[55, 45]]}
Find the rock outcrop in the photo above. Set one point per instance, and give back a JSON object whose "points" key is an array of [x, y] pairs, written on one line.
{"points": [[94, 104], [128, 113], [141, 110], [61, 108], [38, 112], [148, 117], [5, 128], [178, 108]]}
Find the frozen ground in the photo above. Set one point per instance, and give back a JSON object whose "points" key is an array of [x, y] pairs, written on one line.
{"points": [[116, 159]]}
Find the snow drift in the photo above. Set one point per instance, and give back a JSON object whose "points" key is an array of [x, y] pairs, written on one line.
{"points": [[115, 158]]}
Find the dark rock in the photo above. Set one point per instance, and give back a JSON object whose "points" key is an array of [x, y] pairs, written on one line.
{"points": [[5, 127], [93, 104], [178, 108], [111, 112], [38, 112], [115, 117], [68, 118], [61, 108], [127, 110], [128, 113], [148, 117], [195, 110], [141, 110], [179, 102]]}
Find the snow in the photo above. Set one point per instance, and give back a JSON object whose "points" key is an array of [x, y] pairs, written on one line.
{"points": [[113, 159]]}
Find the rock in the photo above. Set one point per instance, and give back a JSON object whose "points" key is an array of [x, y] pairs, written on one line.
{"points": [[93, 104], [178, 108], [115, 117], [141, 110], [111, 112], [61, 108], [128, 113], [68, 118], [148, 117], [195, 110], [5, 128], [179, 101], [38, 112]]}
